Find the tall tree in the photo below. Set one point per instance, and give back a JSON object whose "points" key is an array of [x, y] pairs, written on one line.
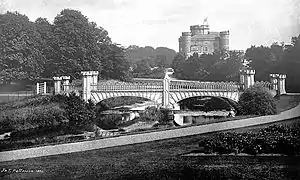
{"points": [[115, 65], [290, 65], [20, 54], [262, 60], [45, 29], [78, 43]]}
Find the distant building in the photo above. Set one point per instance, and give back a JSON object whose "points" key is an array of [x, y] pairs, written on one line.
{"points": [[200, 40]]}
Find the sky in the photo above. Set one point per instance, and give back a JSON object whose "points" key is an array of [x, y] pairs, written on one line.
{"points": [[159, 23]]}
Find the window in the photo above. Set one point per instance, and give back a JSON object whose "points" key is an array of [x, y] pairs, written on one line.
{"points": [[205, 49]]}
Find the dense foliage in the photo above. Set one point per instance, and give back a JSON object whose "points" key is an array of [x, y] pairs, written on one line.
{"points": [[275, 139], [30, 50], [219, 66], [37, 112], [156, 114], [278, 58], [257, 100]]}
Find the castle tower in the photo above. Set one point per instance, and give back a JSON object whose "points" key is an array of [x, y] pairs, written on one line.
{"points": [[185, 42], [224, 40], [204, 28]]}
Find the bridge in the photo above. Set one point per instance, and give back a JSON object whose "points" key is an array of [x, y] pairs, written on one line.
{"points": [[167, 92]]}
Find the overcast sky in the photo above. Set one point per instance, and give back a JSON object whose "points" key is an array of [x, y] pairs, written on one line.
{"points": [[160, 22]]}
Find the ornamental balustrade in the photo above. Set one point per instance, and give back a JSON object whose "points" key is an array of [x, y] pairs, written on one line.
{"points": [[129, 87], [265, 84], [164, 90], [177, 85]]}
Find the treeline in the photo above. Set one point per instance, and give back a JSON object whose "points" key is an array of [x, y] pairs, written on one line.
{"points": [[149, 62], [225, 66], [277, 58], [219, 66], [29, 50]]}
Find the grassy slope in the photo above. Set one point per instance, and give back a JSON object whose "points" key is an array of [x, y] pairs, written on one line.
{"points": [[156, 160]]}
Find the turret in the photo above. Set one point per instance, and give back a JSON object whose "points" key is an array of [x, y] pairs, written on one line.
{"points": [[185, 42], [278, 83], [195, 30], [246, 78], [224, 40]]}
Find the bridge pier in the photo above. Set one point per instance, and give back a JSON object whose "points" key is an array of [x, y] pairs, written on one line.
{"points": [[166, 89], [246, 78], [66, 83], [57, 84], [90, 80], [278, 83]]}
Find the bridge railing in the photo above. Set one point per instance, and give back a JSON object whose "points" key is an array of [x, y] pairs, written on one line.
{"points": [[265, 84], [210, 86], [130, 87], [72, 88]]}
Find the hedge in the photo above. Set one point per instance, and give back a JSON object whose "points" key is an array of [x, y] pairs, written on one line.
{"points": [[274, 139]]}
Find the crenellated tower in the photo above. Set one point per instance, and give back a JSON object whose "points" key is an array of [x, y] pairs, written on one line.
{"points": [[201, 40]]}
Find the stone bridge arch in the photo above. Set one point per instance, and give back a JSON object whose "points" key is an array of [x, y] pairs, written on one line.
{"points": [[97, 97], [176, 97]]}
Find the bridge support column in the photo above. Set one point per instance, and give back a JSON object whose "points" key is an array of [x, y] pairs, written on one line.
{"points": [[246, 78], [66, 83], [87, 81], [94, 80], [278, 83], [57, 84], [166, 95]]}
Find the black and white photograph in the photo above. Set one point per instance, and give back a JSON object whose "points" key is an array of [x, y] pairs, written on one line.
{"points": [[150, 89]]}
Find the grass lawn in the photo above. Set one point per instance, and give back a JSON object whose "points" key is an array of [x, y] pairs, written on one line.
{"points": [[155, 160]]}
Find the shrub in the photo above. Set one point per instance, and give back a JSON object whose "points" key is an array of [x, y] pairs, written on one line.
{"points": [[151, 114], [273, 139], [257, 100], [80, 114], [33, 117], [109, 121], [48, 111]]}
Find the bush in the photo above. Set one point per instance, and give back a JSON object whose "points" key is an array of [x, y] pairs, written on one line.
{"points": [[273, 139], [151, 114], [257, 100], [109, 121], [47, 111]]}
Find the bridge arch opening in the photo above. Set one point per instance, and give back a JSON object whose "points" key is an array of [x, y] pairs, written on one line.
{"points": [[207, 103], [123, 101]]}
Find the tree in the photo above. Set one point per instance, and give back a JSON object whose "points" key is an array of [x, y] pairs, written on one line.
{"points": [[290, 65], [142, 68], [257, 100], [262, 60], [79, 44], [45, 29], [20, 54], [115, 65], [219, 66]]}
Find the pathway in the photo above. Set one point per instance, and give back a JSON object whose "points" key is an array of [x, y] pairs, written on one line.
{"points": [[144, 137]]}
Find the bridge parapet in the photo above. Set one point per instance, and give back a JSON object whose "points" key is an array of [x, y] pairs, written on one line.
{"points": [[129, 86], [205, 86], [264, 84]]}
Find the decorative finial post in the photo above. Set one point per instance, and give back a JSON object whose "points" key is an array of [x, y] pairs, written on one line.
{"points": [[247, 78], [278, 83], [57, 84], [166, 87]]}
